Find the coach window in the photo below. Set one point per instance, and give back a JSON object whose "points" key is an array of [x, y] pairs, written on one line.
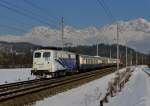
{"points": [[46, 54], [86, 61], [37, 55], [69, 56]]}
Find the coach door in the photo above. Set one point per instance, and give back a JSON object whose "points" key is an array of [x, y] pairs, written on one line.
{"points": [[77, 62]]}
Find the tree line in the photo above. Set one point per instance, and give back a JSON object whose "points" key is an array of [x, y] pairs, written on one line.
{"points": [[24, 59]]}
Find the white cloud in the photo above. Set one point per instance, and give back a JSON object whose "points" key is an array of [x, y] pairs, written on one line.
{"points": [[136, 32]]}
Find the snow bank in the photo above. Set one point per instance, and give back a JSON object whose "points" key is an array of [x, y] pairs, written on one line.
{"points": [[136, 91], [146, 69], [14, 75]]}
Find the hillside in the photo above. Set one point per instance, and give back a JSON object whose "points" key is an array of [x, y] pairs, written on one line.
{"points": [[20, 54]]}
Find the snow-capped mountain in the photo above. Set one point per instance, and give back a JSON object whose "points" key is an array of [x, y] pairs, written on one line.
{"points": [[135, 33]]}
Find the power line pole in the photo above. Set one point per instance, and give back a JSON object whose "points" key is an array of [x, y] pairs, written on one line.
{"points": [[126, 56], [145, 59], [110, 53], [97, 48], [62, 32], [142, 59], [117, 47], [131, 58], [136, 58]]}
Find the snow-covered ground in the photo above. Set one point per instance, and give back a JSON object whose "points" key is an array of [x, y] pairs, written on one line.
{"points": [[85, 95], [146, 69], [135, 93], [15, 75]]}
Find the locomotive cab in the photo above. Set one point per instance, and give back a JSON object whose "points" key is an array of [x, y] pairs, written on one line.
{"points": [[42, 62]]}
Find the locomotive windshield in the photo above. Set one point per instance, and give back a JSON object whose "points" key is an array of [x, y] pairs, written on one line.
{"points": [[37, 55], [46, 54]]}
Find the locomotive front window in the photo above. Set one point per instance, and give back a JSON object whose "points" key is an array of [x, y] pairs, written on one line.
{"points": [[46, 54], [37, 55]]}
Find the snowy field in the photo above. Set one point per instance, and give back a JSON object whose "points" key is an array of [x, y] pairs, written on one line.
{"points": [[135, 93], [15, 75]]}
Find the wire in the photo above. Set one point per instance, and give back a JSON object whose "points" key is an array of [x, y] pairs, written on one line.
{"points": [[16, 20], [25, 10], [22, 13], [13, 28], [107, 10], [41, 9]]}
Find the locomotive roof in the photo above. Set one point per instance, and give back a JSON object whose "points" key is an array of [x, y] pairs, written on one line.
{"points": [[44, 50]]}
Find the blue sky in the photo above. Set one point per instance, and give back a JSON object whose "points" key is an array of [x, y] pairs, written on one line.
{"points": [[77, 13]]}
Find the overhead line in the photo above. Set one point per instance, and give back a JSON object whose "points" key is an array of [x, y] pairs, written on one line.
{"points": [[17, 21], [29, 2], [22, 13], [108, 12], [41, 9], [25, 10], [14, 28]]}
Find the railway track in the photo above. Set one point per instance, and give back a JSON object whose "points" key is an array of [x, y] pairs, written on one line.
{"points": [[10, 91]]}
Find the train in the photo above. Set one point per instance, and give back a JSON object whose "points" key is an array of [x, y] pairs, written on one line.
{"points": [[53, 63]]}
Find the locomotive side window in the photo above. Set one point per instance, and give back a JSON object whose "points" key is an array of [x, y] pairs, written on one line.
{"points": [[46, 54], [37, 55], [69, 56]]}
